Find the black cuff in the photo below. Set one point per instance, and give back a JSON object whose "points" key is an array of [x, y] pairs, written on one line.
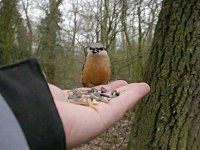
{"points": [[24, 88]]}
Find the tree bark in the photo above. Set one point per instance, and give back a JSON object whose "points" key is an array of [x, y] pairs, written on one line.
{"points": [[140, 54], [52, 26], [169, 118], [8, 19], [28, 22], [104, 22], [129, 49]]}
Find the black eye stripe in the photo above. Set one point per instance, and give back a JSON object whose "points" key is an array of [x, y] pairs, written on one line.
{"points": [[101, 49], [92, 49], [97, 49]]}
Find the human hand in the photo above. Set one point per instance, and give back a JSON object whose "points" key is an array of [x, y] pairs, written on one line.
{"points": [[82, 123]]}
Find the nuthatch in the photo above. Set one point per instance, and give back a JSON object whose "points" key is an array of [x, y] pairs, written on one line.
{"points": [[96, 70]]}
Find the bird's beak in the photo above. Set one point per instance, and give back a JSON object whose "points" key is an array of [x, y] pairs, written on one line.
{"points": [[95, 51]]}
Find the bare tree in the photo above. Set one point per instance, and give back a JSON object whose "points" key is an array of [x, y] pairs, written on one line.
{"points": [[47, 47], [25, 4], [8, 18]]}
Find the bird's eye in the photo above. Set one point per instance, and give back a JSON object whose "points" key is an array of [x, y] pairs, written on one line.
{"points": [[101, 48], [92, 49]]}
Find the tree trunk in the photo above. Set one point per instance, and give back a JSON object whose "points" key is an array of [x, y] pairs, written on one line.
{"points": [[52, 26], [129, 49], [169, 118], [104, 22], [8, 13], [140, 43], [28, 22]]}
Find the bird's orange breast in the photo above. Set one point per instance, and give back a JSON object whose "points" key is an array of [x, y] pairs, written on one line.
{"points": [[96, 70]]}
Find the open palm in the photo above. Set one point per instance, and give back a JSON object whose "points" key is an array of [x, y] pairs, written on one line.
{"points": [[82, 123]]}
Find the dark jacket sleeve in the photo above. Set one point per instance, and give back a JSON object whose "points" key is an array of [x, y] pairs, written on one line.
{"points": [[26, 92]]}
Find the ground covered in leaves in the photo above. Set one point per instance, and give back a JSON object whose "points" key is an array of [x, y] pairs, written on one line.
{"points": [[115, 138]]}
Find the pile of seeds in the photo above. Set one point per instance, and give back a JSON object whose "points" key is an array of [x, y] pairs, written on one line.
{"points": [[90, 97]]}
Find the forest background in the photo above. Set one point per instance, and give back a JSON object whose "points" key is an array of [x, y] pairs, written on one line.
{"points": [[59, 32]]}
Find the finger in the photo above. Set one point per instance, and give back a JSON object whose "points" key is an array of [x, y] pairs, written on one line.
{"points": [[113, 85], [118, 106], [130, 95]]}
